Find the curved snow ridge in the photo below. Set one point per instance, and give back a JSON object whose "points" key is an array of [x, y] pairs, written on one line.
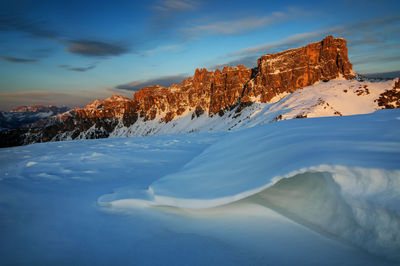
{"points": [[249, 159], [379, 185], [355, 204], [147, 198], [337, 175], [245, 162]]}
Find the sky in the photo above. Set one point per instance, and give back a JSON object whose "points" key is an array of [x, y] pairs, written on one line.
{"points": [[72, 52]]}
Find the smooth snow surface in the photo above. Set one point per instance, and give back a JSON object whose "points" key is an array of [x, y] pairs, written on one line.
{"points": [[320, 191]]}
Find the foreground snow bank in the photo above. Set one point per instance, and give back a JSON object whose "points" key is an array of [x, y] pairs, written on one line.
{"points": [[349, 169], [250, 159], [359, 205], [277, 190]]}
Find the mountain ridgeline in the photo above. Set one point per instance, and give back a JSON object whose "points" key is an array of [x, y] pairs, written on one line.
{"points": [[215, 91], [24, 116], [207, 93]]}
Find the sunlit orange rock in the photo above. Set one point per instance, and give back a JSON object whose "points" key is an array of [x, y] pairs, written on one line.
{"points": [[206, 93], [296, 68], [278, 73], [209, 90]]}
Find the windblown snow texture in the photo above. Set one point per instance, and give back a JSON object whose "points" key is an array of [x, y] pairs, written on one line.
{"points": [[324, 190]]}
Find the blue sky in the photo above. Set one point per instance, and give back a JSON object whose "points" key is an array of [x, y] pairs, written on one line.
{"points": [[71, 52]]}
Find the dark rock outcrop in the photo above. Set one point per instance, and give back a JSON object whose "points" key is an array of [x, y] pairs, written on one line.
{"points": [[390, 99]]}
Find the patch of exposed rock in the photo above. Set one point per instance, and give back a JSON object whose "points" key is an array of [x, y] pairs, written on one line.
{"points": [[390, 99]]}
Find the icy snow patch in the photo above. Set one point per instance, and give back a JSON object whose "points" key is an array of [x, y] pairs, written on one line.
{"points": [[29, 164]]}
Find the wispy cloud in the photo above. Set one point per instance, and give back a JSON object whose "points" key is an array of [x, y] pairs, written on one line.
{"points": [[163, 48], [10, 100], [248, 56], [248, 61], [168, 15], [293, 40], [78, 69], [31, 27], [243, 24], [376, 58], [37, 28], [232, 27], [18, 60], [164, 81], [368, 33], [92, 48], [42, 52], [169, 7]]}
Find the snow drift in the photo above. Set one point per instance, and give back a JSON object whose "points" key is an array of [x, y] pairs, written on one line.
{"points": [[324, 190], [340, 177]]}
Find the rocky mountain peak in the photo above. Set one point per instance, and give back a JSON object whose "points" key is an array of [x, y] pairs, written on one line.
{"points": [[115, 106], [210, 92], [216, 91], [287, 71]]}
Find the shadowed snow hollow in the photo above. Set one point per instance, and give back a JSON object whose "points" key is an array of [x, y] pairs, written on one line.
{"points": [[340, 177]]}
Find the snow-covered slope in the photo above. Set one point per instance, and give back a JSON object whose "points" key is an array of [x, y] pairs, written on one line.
{"points": [[334, 98], [318, 191], [343, 176], [119, 116]]}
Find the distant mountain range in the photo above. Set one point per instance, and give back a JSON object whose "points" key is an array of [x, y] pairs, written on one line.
{"points": [[311, 81], [24, 116], [383, 75]]}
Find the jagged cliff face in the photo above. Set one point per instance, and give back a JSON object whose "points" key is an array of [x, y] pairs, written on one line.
{"points": [[116, 107], [207, 92], [275, 74], [296, 68]]}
